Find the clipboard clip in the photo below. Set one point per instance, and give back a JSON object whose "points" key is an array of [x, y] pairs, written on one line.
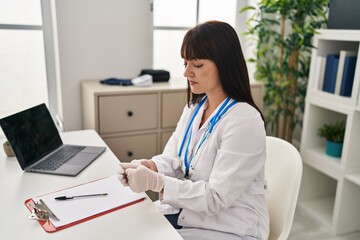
{"points": [[40, 211]]}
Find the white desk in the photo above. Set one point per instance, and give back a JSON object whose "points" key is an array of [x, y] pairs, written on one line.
{"points": [[138, 221]]}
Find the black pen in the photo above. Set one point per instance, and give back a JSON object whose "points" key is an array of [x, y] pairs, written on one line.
{"points": [[80, 196]]}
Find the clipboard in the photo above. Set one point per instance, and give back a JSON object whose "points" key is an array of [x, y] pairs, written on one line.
{"points": [[51, 226]]}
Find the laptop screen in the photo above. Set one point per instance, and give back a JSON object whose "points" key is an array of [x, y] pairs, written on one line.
{"points": [[31, 133]]}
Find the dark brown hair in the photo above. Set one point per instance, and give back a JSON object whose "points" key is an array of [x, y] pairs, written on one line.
{"points": [[217, 41]]}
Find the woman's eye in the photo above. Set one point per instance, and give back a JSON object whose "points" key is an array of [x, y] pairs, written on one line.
{"points": [[185, 65], [198, 65]]}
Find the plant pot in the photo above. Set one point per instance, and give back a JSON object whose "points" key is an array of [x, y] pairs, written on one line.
{"points": [[334, 149], [8, 150]]}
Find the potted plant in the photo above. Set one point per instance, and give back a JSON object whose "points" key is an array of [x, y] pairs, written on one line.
{"points": [[283, 32], [7, 149], [334, 134]]}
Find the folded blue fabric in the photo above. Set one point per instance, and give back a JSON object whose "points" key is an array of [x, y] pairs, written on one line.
{"points": [[117, 81]]}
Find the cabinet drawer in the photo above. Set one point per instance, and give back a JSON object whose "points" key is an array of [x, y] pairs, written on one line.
{"points": [[127, 148], [172, 105], [127, 113]]}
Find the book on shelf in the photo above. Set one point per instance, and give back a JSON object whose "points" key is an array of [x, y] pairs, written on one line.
{"points": [[330, 74], [321, 61], [348, 76], [340, 72]]}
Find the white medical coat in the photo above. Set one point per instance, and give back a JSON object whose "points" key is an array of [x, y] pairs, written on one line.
{"points": [[226, 187]]}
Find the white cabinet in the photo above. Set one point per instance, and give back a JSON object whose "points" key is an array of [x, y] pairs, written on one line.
{"points": [[134, 122], [330, 188]]}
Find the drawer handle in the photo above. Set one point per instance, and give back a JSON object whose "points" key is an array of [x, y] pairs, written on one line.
{"points": [[130, 153], [130, 113]]}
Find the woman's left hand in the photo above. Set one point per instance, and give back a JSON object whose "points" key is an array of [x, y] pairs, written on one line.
{"points": [[140, 178], [122, 174]]}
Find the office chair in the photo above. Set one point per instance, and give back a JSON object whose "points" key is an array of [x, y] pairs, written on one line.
{"points": [[283, 171]]}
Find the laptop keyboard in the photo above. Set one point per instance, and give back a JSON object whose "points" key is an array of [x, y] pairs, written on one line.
{"points": [[55, 160]]}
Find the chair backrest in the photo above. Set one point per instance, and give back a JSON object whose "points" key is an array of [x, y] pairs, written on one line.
{"points": [[283, 171]]}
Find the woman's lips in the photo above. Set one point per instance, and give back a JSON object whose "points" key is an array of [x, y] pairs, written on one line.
{"points": [[192, 82]]}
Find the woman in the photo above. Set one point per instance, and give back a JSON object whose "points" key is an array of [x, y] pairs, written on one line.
{"points": [[211, 173]]}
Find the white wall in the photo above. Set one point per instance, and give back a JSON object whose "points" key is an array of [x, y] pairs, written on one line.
{"points": [[98, 39]]}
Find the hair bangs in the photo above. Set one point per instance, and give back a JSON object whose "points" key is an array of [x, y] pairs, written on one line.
{"points": [[194, 46]]}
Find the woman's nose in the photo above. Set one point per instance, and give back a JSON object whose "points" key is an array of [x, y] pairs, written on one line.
{"points": [[188, 72]]}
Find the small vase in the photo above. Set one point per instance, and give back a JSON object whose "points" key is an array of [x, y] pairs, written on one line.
{"points": [[334, 149], [8, 150]]}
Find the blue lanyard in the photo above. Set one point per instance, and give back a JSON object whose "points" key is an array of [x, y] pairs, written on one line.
{"points": [[213, 121]]}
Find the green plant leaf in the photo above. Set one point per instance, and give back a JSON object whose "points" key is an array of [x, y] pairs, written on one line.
{"points": [[247, 8], [334, 132], [285, 86]]}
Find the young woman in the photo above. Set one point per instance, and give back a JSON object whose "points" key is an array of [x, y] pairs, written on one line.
{"points": [[211, 173]]}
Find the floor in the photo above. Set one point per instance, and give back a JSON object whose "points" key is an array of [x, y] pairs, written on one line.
{"points": [[307, 228]]}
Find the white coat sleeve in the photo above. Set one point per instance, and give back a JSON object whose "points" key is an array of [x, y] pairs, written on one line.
{"points": [[239, 159]]}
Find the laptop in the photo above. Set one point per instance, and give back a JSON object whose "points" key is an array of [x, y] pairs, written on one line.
{"points": [[38, 147]]}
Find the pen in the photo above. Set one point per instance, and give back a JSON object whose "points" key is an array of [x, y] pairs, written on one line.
{"points": [[80, 196]]}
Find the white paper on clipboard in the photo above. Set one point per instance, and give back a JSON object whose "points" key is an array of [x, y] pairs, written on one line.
{"points": [[70, 211]]}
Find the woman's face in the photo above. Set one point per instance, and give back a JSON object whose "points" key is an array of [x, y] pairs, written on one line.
{"points": [[203, 76]]}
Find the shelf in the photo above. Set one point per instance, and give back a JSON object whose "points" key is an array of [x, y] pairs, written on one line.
{"points": [[316, 158], [319, 153], [339, 35], [354, 178], [330, 188], [321, 209], [339, 103]]}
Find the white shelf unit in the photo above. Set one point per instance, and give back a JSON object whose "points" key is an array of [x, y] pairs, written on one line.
{"points": [[330, 188]]}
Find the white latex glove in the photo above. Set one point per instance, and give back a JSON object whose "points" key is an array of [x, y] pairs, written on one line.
{"points": [[137, 160], [122, 174], [147, 163], [141, 178]]}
